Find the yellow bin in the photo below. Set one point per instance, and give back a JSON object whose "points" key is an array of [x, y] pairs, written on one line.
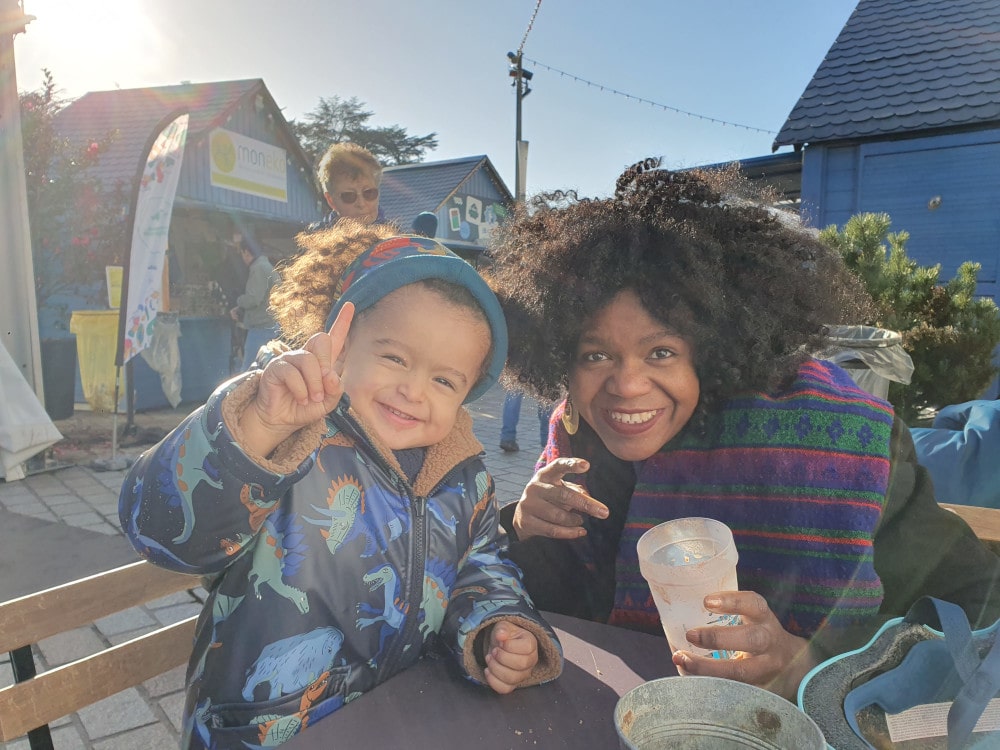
{"points": [[96, 345]]}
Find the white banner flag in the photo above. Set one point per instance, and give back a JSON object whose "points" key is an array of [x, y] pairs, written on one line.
{"points": [[151, 213]]}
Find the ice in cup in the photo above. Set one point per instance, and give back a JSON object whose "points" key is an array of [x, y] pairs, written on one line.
{"points": [[683, 561]]}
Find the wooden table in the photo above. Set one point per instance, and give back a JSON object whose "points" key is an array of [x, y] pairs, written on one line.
{"points": [[431, 705]]}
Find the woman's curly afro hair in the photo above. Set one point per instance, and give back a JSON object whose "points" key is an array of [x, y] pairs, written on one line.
{"points": [[749, 287]]}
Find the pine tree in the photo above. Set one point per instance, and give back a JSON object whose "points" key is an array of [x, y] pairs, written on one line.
{"points": [[948, 331]]}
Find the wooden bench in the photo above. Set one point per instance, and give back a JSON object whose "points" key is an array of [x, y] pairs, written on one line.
{"points": [[984, 521], [34, 703]]}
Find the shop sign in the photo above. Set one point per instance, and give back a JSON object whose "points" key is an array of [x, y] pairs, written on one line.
{"points": [[247, 165]]}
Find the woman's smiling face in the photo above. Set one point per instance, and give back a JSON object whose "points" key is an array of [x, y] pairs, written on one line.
{"points": [[633, 379]]}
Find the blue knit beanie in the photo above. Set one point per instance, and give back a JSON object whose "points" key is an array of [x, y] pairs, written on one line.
{"points": [[395, 262]]}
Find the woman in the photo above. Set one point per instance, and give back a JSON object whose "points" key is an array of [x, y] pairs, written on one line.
{"points": [[676, 318]]}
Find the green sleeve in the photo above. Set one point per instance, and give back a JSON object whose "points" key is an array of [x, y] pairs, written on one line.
{"points": [[921, 549]]}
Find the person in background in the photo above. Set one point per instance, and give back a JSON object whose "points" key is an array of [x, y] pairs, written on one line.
{"points": [[511, 415], [251, 311], [338, 499], [425, 224], [349, 176], [676, 319]]}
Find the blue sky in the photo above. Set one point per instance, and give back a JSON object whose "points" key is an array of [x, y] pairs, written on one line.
{"points": [[441, 67]]}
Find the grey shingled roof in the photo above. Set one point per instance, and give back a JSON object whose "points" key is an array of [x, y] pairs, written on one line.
{"points": [[135, 113], [903, 66], [410, 189]]}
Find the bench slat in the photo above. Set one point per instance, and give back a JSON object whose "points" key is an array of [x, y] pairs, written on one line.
{"points": [[984, 521], [29, 619], [64, 690]]}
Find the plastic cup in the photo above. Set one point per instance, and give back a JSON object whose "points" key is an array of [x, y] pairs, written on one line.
{"points": [[683, 561]]}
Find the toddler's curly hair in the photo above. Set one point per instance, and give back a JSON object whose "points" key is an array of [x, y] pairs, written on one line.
{"points": [[304, 297], [749, 287]]}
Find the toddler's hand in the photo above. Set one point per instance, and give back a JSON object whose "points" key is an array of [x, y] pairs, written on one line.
{"points": [[297, 388], [512, 655]]}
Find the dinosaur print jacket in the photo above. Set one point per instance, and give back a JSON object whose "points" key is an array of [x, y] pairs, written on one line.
{"points": [[328, 571]]}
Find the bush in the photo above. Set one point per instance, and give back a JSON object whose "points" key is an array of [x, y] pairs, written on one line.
{"points": [[948, 332]]}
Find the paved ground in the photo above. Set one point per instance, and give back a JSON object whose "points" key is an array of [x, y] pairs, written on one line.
{"points": [[81, 497]]}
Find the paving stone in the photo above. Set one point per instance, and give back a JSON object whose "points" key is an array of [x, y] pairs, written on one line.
{"points": [[106, 506], [65, 510], [6, 674], [65, 647], [166, 683], [105, 528], [122, 711], [120, 638], [153, 737], [13, 491], [86, 518], [173, 707], [40, 512], [17, 504], [68, 738], [178, 597], [170, 615], [53, 500], [121, 622]]}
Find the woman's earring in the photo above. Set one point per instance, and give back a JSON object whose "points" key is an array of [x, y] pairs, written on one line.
{"points": [[570, 417]]}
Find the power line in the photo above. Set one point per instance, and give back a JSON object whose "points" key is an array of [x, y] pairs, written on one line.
{"points": [[667, 107]]}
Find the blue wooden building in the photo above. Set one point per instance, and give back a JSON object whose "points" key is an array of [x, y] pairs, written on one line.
{"points": [[243, 170], [216, 197], [903, 117], [466, 194]]}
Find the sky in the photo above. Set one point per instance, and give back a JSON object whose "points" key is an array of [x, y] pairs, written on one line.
{"points": [[441, 67]]}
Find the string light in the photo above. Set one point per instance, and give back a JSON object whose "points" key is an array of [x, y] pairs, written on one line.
{"points": [[531, 22], [639, 99]]}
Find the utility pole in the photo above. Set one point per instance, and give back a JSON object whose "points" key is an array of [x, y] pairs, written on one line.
{"points": [[522, 89]]}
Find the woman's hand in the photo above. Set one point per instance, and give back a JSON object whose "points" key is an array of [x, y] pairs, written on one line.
{"points": [[553, 507], [771, 657], [296, 388]]}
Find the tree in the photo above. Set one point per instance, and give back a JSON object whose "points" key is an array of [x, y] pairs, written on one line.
{"points": [[948, 332], [335, 120], [77, 225]]}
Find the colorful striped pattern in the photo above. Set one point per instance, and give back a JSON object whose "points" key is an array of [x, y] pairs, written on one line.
{"points": [[800, 478]]}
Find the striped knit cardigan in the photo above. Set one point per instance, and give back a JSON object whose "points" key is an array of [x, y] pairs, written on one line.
{"points": [[800, 477]]}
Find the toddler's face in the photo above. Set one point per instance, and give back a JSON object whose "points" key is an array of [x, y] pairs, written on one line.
{"points": [[409, 363]]}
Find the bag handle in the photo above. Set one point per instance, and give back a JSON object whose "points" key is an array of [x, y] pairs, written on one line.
{"points": [[954, 660]]}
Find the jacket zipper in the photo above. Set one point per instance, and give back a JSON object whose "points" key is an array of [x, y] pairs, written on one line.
{"points": [[418, 550]]}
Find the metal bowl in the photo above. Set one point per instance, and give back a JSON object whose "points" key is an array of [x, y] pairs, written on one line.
{"points": [[711, 713]]}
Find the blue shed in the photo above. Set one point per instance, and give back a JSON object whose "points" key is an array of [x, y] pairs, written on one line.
{"points": [[213, 200], [466, 194], [903, 117]]}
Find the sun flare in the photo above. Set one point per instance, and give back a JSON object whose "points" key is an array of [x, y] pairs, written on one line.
{"points": [[113, 41]]}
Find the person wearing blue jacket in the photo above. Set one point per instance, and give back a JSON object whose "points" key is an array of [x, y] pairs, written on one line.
{"points": [[960, 451], [337, 498]]}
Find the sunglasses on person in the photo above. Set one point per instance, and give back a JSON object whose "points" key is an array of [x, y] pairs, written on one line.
{"points": [[350, 196]]}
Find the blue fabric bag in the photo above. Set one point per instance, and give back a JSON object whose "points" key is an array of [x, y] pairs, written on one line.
{"points": [[929, 656]]}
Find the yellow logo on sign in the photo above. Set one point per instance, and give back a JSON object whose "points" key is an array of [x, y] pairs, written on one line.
{"points": [[223, 151]]}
